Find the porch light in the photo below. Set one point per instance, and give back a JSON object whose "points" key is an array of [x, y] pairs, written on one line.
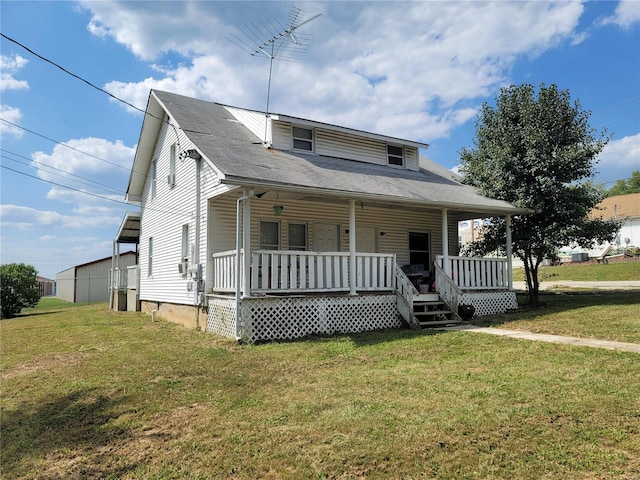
{"points": [[277, 209]]}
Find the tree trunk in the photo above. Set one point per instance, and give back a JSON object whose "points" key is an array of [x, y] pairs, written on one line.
{"points": [[533, 285]]}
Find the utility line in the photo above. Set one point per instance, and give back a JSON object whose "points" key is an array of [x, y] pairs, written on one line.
{"points": [[178, 213], [70, 73], [105, 186], [63, 144]]}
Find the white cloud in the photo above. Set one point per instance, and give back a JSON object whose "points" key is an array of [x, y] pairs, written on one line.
{"points": [[13, 115], [9, 66], [627, 13], [412, 69], [623, 153], [86, 156], [20, 217]]}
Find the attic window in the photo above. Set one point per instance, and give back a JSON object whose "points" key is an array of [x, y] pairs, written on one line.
{"points": [[303, 139], [395, 155]]}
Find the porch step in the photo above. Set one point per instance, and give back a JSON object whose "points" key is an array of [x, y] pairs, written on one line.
{"points": [[432, 311]]}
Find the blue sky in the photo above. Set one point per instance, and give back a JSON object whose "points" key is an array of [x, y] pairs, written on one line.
{"points": [[414, 70]]}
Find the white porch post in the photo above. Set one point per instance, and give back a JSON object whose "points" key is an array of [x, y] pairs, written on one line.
{"points": [[509, 253], [246, 245], [352, 247], [445, 241]]}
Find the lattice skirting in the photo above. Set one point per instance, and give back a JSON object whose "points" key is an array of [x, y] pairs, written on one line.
{"points": [[221, 316], [285, 318], [490, 303]]}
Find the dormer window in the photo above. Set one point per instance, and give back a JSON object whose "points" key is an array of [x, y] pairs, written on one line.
{"points": [[395, 155], [303, 139]]}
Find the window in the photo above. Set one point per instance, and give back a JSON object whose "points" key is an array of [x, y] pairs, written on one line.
{"points": [[395, 155], [154, 167], [150, 262], [297, 236], [269, 235], [303, 139], [171, 180], [419, 249], [185, 243]]}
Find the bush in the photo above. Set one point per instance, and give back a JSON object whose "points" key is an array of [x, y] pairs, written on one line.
{"points": [[18, 288]]}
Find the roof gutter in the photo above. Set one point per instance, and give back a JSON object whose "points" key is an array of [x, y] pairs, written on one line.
{"points": [[345, 195]]}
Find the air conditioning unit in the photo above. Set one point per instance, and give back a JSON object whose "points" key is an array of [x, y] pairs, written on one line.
{"points": [[171, 179], [182, 268]]}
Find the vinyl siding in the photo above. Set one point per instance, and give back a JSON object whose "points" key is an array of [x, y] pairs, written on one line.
{"points": [[395, 223], [163, 217], [254, 121], [343, 145]]}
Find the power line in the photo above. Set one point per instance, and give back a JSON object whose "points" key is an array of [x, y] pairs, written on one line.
{"points": [[178, 213], [70, 73], [63, 144], [95, 183]]}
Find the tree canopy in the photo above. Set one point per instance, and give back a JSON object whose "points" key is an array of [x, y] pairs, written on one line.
{"points": [[18, 288], [537, 152], [624, 187]]}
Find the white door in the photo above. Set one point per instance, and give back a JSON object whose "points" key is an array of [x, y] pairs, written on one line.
{"points": [[366, 239], [326, 237]]}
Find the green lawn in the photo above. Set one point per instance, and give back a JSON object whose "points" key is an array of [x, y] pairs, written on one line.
{"points": [[586, 272], [90, 393], [604, 315]]}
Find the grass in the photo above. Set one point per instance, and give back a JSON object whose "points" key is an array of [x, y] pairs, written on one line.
{"points": [[604, 315], [49, 303], [586, 272], [91, 393]]}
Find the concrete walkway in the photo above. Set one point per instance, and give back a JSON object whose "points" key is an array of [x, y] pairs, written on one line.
{"points": [[543, 337]]}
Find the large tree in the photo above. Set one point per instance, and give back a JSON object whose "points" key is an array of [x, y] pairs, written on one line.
{"points": [[18, 288], [537, 152], [626, 186]]}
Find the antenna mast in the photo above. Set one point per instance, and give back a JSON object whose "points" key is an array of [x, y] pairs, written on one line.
{"points": [[275, 41]]}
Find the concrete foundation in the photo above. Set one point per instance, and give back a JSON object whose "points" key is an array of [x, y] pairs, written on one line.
{"points": [[188, 316]]}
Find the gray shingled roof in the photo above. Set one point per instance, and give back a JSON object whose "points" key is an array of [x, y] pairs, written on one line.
{"points": [[242, 160]]}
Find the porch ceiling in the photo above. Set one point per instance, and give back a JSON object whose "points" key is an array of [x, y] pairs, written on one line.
{"points": [[129, 231]]}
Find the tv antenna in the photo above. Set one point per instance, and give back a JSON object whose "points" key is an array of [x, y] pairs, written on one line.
{"points": [[275, 41]]}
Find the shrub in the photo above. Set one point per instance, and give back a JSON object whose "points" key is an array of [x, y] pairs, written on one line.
{"points": [[18, 288]]}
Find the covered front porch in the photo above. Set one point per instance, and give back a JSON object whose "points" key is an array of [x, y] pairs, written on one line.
{"points": [[283, 294]]}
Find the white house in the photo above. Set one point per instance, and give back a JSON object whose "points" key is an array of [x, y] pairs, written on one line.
{"points": [[625, 208], [263, 227]]}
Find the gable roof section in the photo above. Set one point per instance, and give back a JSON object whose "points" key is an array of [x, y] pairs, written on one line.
{"points": [[242, 160], [618, 207]]}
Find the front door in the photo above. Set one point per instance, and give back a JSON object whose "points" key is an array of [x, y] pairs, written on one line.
{"points": [[366, 239], [326, 237]]}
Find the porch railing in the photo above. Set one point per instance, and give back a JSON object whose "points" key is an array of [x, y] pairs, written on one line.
{"points": [[447, 288], [476, 273], [406, 292], [286, 271], [124, 278]]}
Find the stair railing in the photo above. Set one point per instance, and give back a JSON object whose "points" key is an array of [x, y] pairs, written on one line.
{"points": [[405, 293], [447, 289]]}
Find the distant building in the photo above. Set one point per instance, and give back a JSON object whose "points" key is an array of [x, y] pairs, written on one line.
{"points": [[47, 287], [89, 282], [627, 209]]}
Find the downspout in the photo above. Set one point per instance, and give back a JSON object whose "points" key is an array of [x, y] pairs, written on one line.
{"points": [[509, 253], [196, 254], [239, 242]]}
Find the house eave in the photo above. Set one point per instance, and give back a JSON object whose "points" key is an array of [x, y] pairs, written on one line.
{"points": [[381, 199]]}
